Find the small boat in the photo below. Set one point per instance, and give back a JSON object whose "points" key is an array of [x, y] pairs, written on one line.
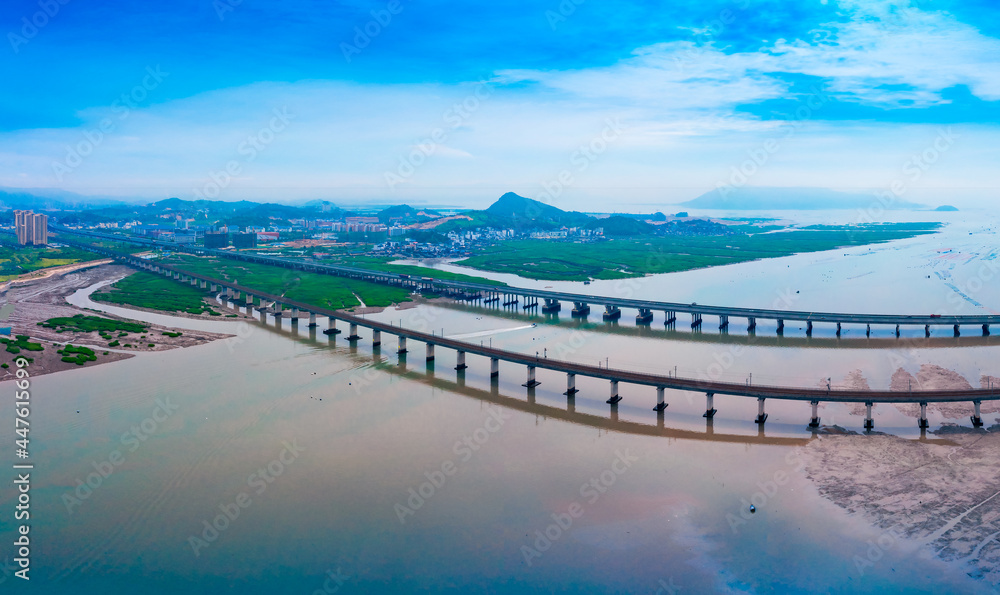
{"points": [[586, 282]]}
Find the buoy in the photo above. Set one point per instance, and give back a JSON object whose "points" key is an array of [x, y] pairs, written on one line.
{"points": [[753, 509]]}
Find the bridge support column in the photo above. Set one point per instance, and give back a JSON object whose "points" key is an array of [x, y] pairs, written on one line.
{"points": [[723, 322], [927, 331], [897, 331], [277, 310], [751, 324], [580, 310], [671, 318], [781, 327], [430, 352], [570, 385], [814, 422], [460, 363], [977, 420], [376, 338], [661, 404], [494, 367], [531, 383], [551, 306], [923, 417], [353, 336], [809, 328], [194, 281], [761, 416], [331, 325], [312, 320], [204, 284], [295, 314], [839, 329], [709, 408], [868, 330], [958, 332], [612, 313], [615, 397], [215, 287], [402, 346], [695, 320], [986, 330], [645, 316], [869, 422]]}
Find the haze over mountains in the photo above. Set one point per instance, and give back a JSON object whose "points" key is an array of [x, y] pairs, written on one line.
{"points": [[752, 198]]}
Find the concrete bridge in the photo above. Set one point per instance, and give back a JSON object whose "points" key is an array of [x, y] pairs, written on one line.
{"points": [[552, 301], [279, 306]]}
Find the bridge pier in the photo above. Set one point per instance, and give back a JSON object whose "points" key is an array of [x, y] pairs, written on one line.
{"points": [[897, 331], [986, 330], [430, 352], [295, 314], [571, 385], [671, 318], [751, 324], [354, 333], [977, 420], [868, 331], [612, 313], [781, 327], [958, 333], [215, 288], [580, 310], [838, 329], [695, 320], [494, 367], [277, 311], [661, 404], [530, 303], [869, 422], [460, 364], [644, 317], [761, 416], [402, 346], [376, 338], [723, 322], [194, 281], [331, 325], [551, 306], [615, 397], [531, 383], [709, 402], [814, 422], [312, 320], [927, 331], [809, 328], [922, 424]]}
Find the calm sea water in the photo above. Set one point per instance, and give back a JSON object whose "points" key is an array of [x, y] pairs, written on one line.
{"points": [[356, 471]]}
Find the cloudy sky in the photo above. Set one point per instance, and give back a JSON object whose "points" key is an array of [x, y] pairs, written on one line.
{"points": [[583, 103]]}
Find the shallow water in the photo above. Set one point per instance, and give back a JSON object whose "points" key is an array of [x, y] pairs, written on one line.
{"points": [[672, 510]]}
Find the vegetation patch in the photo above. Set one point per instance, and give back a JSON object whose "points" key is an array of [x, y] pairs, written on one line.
{"points": [[77, 355], [156, 292], [20, 342], [86, 324]]}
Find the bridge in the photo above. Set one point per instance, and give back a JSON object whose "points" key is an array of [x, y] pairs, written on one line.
{"points": [[552, 301], [279, 306]]}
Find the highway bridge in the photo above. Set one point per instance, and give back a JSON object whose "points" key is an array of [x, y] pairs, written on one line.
{"points": [[552, 301], [278, 306]]}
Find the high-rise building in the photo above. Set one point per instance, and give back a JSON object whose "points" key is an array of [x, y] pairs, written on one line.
{"points": [[216, 239], [244, 240], [32, 228]]}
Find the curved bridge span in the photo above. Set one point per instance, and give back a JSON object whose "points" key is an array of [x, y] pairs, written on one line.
{"points": [[552, 301], [277, 305]]}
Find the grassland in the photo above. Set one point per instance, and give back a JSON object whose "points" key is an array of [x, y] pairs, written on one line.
{"points": [[86, 324], [382, 264], [146, 290], [325, 291], [18, 260], [624, 258]]}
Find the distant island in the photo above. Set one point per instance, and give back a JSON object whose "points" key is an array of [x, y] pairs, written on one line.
{"points": [[946, 208], [792, 199]]}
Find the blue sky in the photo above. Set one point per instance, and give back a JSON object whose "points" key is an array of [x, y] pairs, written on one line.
{"points": [[578, 103]]}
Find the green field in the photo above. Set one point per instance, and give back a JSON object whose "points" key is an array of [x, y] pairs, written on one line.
{"points": [[18, 260], [624, 258], [382, 264], [87, 324], [156, 292], [325, 291]]}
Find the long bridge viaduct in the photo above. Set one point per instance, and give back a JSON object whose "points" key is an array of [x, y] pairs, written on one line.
{"points": [[280, 306]]}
